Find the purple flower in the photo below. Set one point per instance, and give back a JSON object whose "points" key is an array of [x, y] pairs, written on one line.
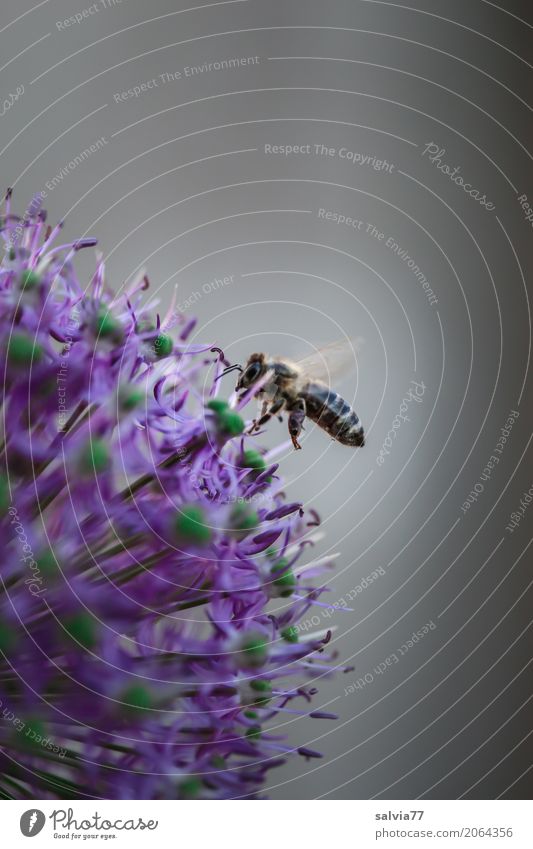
{"points": [[151, 593]]}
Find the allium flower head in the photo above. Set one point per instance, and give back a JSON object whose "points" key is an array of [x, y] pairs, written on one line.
{"points": [[153, 573]]}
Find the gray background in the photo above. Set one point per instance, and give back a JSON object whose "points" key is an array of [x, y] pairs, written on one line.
{"points": [[183, 184]]}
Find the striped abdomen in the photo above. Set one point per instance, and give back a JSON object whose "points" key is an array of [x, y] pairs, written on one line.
{"points": [[333, 414]]}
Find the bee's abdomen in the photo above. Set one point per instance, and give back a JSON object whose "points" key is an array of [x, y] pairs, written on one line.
{"points": [[333, 414]]}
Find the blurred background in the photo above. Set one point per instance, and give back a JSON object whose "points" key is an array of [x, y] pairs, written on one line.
{"points": [[294, 173]]}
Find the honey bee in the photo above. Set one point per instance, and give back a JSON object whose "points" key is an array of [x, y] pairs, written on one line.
{"points": [[301, 389]]}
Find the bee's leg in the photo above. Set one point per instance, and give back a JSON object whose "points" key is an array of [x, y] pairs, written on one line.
{"points": [[277, 405], [255, 423], [296, 419]]}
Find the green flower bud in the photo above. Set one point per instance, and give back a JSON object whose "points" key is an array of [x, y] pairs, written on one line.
{"points": [[250, 714], [191, 525], [243, 521], [82, 627], [6, 637], [263, 689], [261, 685], [254, 732], [190, 788], [163, 345], [29, 280], [217, 405], [252, 459], [290, 634], [129, 398], [285, 583], [34, 733], [231, 423], [107, 327], [22, 350], [137, 697], [254, 650], [48, 565], [94, 457], [4, 494]]}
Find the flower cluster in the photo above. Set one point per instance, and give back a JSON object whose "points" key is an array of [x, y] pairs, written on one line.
{"points": [[150, 593]]}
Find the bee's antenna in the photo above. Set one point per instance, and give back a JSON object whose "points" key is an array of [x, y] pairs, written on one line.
{"points": [[235, 367]]}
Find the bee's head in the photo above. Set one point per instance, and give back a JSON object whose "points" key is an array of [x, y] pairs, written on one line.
{"points": [[254, 369]]}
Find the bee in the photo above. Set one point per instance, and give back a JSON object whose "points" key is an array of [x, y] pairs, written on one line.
{"points": [[301, 389]]}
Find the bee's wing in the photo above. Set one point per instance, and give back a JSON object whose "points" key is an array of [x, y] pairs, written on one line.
{"points": [[331, 362]]}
